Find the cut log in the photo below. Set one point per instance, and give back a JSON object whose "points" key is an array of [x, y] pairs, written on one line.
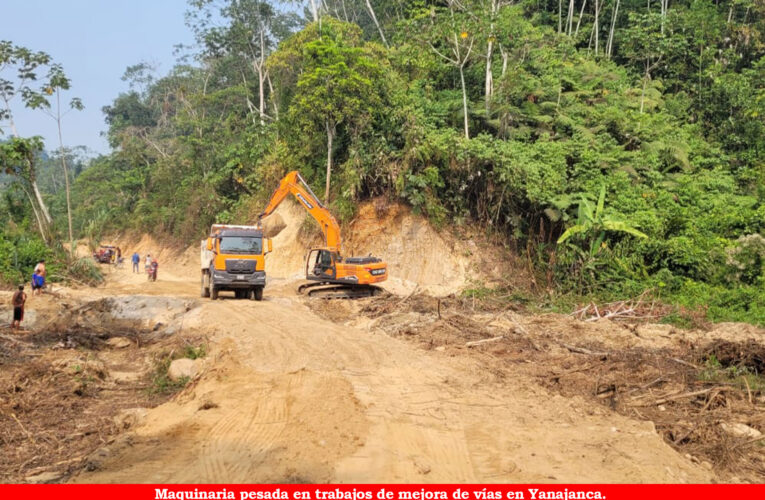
{"points": [[483, 341]]}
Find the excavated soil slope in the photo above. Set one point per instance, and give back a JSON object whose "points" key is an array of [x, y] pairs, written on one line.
{"points": [[416, 254]]}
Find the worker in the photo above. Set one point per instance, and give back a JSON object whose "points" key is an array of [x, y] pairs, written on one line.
{"points": [[40, 268], [153, 269], [18, 300], [38, 282], [38, 278], [136, 259], [147, 264]]}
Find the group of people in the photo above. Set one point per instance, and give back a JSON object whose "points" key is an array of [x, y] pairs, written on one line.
{"points": [[151, 264], [19, 298]]}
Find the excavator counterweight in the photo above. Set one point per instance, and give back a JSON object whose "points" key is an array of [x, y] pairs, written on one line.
{"points": [[330, 275]]}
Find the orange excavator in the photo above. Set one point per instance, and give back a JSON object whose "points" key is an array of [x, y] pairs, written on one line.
{"points": [[331, 275]]}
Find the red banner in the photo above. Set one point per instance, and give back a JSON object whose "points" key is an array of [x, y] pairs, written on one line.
{"points": [[381, 492]]}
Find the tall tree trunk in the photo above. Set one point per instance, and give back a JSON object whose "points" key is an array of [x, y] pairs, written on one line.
{"points": [[273, 97], [579, 21], [40, 202], [489, 88], [261, 79], [374, 19], [610, 44], [596, 26], [570, 17], [66, 170], [560, 16], [464, 101], [261, 97], [314, 10], [505, 57], [40, 225], [330, 138], [345, 12]]}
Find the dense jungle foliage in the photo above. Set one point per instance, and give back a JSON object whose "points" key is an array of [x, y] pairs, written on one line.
{"points": [[620, 145]]}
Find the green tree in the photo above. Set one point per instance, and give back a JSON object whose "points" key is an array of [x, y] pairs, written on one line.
{"points": [[336, 75], [58, 82]]}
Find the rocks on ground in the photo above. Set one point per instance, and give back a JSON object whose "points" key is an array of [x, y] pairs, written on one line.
{"points": [[183, 368]]}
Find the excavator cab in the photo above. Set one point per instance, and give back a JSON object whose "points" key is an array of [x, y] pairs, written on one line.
{"points": [[323, 262]]}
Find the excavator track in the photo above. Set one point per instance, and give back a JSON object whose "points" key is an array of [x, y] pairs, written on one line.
{"points": [[335, 291]]}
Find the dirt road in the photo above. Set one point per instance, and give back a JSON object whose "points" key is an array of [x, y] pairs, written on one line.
{"points": [[286, 396]]}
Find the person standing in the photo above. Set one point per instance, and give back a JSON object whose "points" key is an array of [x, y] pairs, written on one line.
{"points": [[135, 259], [147, 265], [38, 277], [18, 300], [40, 268]]}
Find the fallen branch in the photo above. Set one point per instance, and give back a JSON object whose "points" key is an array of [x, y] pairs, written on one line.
{"points": [[676, 360], [582, 350], [29, 435], [408, 296], [519, 329], [686, 395], [649, 384], [748, 390], [484, 341]]}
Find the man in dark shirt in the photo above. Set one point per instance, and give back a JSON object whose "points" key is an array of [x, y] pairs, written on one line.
{"points": [[19, 298]]}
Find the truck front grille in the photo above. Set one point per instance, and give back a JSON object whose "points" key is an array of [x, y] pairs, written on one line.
{"points": [[240, 266]]}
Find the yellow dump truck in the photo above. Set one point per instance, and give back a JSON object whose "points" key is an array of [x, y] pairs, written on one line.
{"points": [[233, 258]]}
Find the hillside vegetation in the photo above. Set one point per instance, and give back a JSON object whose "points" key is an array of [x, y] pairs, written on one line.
{"points": [[618, 145]]}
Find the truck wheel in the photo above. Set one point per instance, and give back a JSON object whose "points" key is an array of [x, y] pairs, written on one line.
{"points": [[205, 285], [213, 292], [257, 293]]}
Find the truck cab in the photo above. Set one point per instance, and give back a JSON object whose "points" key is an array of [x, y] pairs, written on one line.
{"points": [[233, 259]]}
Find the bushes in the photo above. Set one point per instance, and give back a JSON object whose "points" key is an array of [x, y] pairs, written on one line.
{"points": [[18, 256]]}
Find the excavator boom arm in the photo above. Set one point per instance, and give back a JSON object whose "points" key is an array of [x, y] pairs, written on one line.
{"points": [[293, 183]]}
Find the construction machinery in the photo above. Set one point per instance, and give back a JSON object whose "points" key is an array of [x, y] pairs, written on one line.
{"points": [[330, 274], [233, 258]]}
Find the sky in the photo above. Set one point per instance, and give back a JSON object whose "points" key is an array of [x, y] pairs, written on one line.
{"points": [[94, 40]]}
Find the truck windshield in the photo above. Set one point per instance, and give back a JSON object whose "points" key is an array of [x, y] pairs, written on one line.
{"points": [[241, 244]]}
